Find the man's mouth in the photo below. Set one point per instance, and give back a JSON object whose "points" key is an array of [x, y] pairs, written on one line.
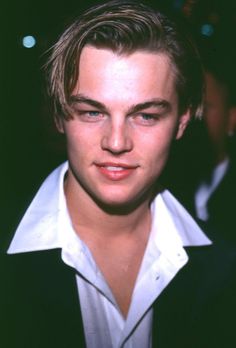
{"points": [[116, 171]]}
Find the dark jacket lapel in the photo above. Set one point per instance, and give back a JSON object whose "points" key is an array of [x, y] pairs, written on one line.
{"points": [[41, 302], [194, 310]]}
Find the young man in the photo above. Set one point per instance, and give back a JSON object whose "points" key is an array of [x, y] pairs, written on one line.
{"points": [[101, 257]]}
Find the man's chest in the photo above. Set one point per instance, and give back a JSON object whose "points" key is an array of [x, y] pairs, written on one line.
{"points": [[119, 264]]}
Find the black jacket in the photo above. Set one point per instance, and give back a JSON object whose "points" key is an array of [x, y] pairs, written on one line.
{"points": [[40, 305]]}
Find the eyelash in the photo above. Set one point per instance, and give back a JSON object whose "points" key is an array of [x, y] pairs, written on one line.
{"points": [[147, 118], [87, 115], [149, 115]]}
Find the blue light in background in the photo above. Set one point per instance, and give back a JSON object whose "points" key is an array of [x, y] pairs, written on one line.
{"points": [[207, 29], [28, 41], [178, 4]]}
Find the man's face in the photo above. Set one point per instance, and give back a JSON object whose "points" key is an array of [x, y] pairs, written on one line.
{"points": [[125, 118]]}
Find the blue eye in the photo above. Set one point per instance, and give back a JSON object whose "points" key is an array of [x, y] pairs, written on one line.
{"points": [[93, 113], [89, 115], [147, 117]]}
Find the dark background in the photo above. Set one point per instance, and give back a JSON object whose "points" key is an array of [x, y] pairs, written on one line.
{"points": [[30, 147]]}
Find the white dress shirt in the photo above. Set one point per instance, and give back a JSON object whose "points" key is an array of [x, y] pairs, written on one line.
{"points": [[205, 190], [47, 225]]}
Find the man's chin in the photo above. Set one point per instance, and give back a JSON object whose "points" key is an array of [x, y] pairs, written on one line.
{"points": [[121, 206], [115, 208]]}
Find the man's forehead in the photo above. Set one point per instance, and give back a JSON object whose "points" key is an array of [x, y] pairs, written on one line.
{"points": [[140, 76], [104, 60]]}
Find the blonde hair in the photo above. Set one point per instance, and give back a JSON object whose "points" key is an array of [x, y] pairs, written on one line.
{"points": [[124, 27]]}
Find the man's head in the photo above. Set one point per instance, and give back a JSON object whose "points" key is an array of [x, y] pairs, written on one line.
{"points": [[124, 27], [124, 83], [220, 109]]}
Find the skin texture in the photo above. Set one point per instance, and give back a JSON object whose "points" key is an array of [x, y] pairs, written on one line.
{"points": [[111, 131]]}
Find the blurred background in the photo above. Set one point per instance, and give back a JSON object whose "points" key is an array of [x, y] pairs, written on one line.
{"points": [[30, 146]]}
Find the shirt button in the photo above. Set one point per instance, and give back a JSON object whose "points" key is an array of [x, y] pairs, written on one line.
{"points": [[181, 256]]}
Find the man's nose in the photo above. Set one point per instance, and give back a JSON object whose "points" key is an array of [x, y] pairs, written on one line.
{"points": [[117, 138]]}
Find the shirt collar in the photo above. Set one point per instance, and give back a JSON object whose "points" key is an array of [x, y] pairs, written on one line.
{"points": [[176, 219], [41, 226]]}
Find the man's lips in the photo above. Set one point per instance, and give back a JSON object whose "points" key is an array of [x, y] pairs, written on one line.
{"points": [[116, 166], [116, 171]]}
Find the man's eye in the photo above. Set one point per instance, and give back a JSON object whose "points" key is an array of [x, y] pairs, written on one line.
{"points": [[146, 119], [89, 115], [93, 113]]}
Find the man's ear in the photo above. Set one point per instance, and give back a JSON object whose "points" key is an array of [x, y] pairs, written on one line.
{"points": [[232, 121], [59, 124], [182, 124]]}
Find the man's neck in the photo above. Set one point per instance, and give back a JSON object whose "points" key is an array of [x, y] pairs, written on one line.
{"points": [[91, 220]]}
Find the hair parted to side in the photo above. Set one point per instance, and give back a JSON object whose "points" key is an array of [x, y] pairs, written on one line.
{"points": [[124, 27]]}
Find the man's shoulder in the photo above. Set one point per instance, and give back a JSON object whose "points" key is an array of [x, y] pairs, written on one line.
{"points": [[215, 262], [39, 300], [198, 305]]}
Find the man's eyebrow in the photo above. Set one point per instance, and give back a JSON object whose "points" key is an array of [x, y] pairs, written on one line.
{"points": [[162, 104], [81, 99]]}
